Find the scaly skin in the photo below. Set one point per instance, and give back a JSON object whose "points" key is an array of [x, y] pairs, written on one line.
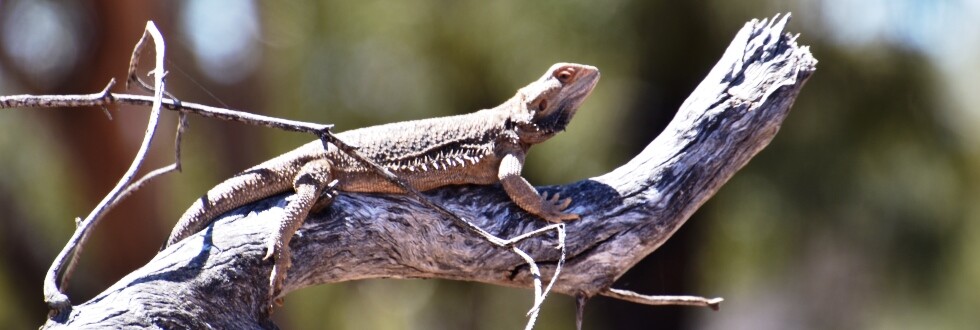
{"points": [[484, 147]]}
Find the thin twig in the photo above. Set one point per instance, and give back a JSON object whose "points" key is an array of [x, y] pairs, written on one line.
{"points": [[536, 279], [65, 262], [181, 126], [580, 300], [561, 262], [104, 99], [147, 178], [631, 296], [132, 76]]}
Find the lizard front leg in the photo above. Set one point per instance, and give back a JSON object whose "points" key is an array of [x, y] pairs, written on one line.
{"points": [[524, 195], [309, 184]]}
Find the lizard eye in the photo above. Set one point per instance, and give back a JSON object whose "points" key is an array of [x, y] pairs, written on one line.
{"points": [[564, 74]]}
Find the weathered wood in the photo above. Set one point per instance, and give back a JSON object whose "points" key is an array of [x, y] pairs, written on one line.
{"points": [[217, 278]]}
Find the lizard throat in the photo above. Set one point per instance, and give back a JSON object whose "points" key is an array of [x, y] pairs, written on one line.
{"points": [[558, 120]]}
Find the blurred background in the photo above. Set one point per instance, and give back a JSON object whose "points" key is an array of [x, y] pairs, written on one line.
{"points": [[863, 213]]}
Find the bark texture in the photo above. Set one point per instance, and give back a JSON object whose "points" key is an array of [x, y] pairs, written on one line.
{"points": [[218, 279]]}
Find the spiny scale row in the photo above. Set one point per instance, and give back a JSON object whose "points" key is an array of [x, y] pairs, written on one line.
{"points": [[440, 162]]}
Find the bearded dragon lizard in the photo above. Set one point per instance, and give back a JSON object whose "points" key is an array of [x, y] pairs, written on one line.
{"points": [[483, 147]]}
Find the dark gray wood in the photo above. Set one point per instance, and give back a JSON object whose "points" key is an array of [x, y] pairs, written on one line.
{"points": [[218, 279]]}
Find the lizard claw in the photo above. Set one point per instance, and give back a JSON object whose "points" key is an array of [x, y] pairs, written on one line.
{"points": [[270, 249], [278, 275], [277, 278]]}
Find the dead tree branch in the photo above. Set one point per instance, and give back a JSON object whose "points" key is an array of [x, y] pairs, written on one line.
{"points": [[218, 279]]}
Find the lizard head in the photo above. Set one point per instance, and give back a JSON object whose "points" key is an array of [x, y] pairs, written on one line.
{"points": [[548, 104]]}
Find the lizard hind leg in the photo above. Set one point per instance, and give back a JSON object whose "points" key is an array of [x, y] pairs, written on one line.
{"points": [[309, 184], [326, 197]]}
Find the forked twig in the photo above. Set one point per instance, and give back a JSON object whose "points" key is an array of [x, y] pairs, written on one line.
{"points": [[176, 166], [132, 76], [65, 262]]}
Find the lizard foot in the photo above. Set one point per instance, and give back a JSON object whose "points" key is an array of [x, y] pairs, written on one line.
{"points": [[278, 277], [551, 208]]}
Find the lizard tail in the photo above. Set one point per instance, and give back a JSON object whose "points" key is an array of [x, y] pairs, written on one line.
{"points": [[244, 188]]}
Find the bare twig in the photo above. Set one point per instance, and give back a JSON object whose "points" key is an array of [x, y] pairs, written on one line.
{"points": [[560, 229], [132, 76], [175, 167], [580, 300], [65, 262], [106, 98], [631, 296]]}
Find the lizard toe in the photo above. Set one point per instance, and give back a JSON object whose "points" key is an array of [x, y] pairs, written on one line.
{"points": [[570, 217], [565, 203]]}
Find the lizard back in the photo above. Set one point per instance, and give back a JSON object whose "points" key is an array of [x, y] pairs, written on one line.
{"points": [[428, 153]]}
